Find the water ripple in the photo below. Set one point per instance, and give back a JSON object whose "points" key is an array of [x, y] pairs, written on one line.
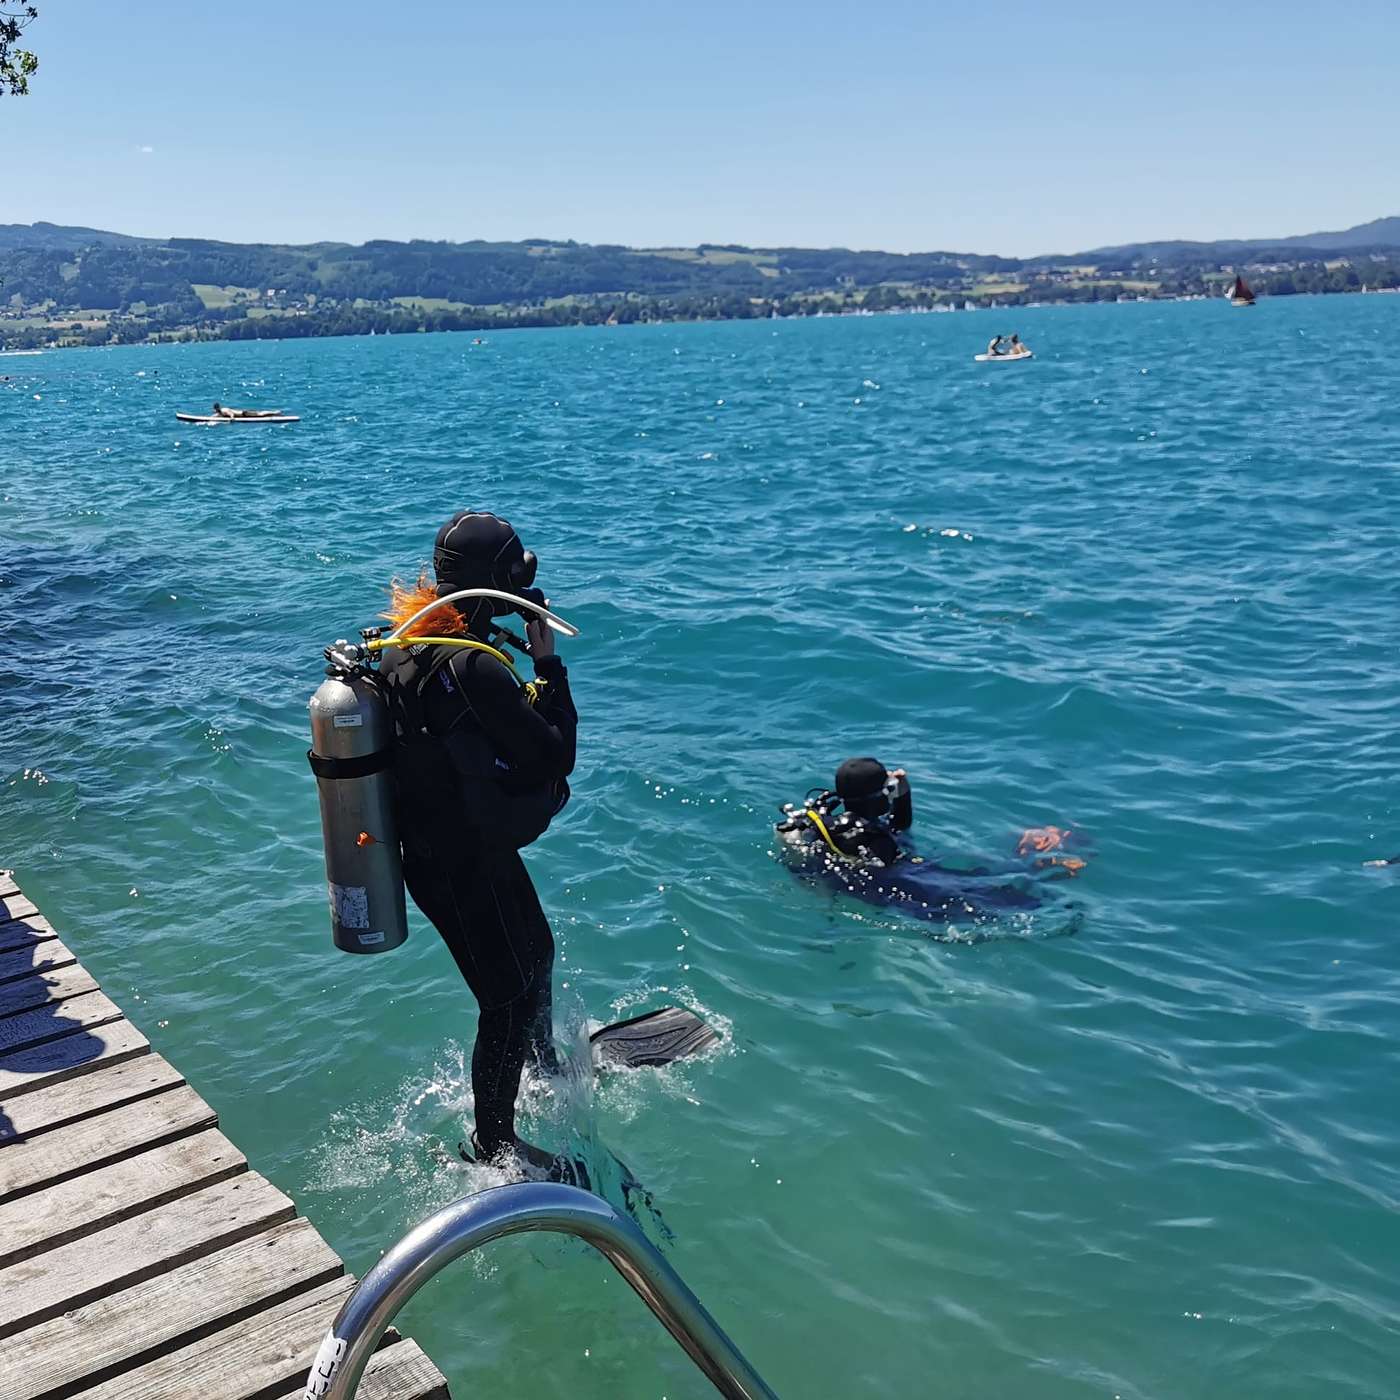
{"points": [[1145, 584]]}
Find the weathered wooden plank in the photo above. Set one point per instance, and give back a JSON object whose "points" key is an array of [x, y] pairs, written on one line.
{"points": [[94, 1343], [261, 1357], [139, 1258], [402, 1372], [23, 933], [55, 1107], [69, 1056], [16, 906], [49, 1158], [399, 1372], [38, 957], [48, 1218], [50, 1022], [45, 987], [39, 1288]]}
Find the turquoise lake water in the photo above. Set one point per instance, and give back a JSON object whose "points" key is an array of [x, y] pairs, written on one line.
{"points": [[1146, 584]]}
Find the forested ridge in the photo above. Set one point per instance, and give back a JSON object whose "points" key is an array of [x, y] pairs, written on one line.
{"points": [[65, 284]]}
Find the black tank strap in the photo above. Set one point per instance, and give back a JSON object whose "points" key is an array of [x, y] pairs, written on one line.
{"points": [[341, 768]]}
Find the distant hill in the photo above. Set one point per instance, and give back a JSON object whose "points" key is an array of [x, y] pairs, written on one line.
{"points": [[92, 269], [1379, 233], [59, 237], [59, 282], [1378, 236]]}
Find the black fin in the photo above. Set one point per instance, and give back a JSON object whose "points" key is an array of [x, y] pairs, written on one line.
{"points": [[654, 1038], [571, 1171]]}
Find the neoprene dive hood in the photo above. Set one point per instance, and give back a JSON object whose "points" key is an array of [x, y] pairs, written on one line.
{"points": [[860, 784], [478, 550]]}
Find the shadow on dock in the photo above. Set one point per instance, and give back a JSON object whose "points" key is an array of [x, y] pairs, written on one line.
{"points": [[49, 1006]]}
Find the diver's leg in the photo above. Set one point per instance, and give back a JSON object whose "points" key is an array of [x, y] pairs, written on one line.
{"points": [[532, 945], [474, 904], [498, 1059], [539, 1040]]}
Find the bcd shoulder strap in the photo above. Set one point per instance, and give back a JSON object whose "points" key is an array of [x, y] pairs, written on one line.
{"points": [[408, 707]]}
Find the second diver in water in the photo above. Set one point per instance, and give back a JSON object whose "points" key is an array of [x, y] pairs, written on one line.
{"points": [[855, 836]]}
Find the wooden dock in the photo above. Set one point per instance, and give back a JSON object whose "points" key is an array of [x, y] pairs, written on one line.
{"points": [[140, 1258]]}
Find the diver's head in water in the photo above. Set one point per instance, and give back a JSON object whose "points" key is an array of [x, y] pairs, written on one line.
{"points": [[479, 550], [868, 789], [860, 784]]}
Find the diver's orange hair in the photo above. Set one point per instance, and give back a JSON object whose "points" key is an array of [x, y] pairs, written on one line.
{"points": [[405, 600]]}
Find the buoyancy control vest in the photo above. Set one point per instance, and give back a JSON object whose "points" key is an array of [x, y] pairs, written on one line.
{"points": [[456, 786], [822, 825]]}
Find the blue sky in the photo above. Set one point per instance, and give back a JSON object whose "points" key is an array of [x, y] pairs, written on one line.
{"points": [[1005, 126]]}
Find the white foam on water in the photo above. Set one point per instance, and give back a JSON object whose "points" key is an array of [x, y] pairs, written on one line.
{"points": [[404, 1144]]}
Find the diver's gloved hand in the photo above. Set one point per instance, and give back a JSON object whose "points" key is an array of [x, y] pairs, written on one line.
{"points": [[901, 801], [540, 636]]}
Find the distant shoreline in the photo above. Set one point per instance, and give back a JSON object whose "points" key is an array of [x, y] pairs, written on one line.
{"points": [[73, 285], [634, 311]]}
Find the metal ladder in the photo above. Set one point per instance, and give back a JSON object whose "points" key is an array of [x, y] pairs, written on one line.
{"points": [[475, 1220]]}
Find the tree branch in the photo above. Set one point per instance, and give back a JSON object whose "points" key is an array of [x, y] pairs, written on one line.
{"points": [[17, 65]]}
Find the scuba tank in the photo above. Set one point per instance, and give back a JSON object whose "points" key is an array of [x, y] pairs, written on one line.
{"points": [[352, 756]]}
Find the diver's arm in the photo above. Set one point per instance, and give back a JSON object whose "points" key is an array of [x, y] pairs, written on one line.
{"points": [[556, 702], [540, 744], [879, 845], [902, 803]]}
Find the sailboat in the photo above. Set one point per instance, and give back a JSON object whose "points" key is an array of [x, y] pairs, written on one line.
{"points": [[1240, 295]]}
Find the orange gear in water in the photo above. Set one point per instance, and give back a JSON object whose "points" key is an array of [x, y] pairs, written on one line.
{"points": [[1041, 838], [406, 599]]}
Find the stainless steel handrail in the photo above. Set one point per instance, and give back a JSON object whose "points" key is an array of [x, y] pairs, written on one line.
{"points": [[457, 1229]]}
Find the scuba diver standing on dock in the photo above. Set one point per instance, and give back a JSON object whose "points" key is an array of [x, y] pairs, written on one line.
{"points": [[436, 763], [481, 762]]}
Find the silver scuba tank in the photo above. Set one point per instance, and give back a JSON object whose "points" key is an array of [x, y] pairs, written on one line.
{"points": [[352, 757]]}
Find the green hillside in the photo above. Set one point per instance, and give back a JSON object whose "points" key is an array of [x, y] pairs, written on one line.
{"points": [[63, 284]]}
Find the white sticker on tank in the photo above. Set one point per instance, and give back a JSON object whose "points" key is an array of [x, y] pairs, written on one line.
{"points": [[371, 940], [348, 721], [349, 905], [325, 1366]]}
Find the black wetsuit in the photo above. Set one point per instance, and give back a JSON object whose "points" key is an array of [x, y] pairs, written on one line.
{"points": [[876, 863], [480, 771]]}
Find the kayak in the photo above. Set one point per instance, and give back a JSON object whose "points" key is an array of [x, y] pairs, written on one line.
{"points": [[1000, 359], [242, 418]]}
